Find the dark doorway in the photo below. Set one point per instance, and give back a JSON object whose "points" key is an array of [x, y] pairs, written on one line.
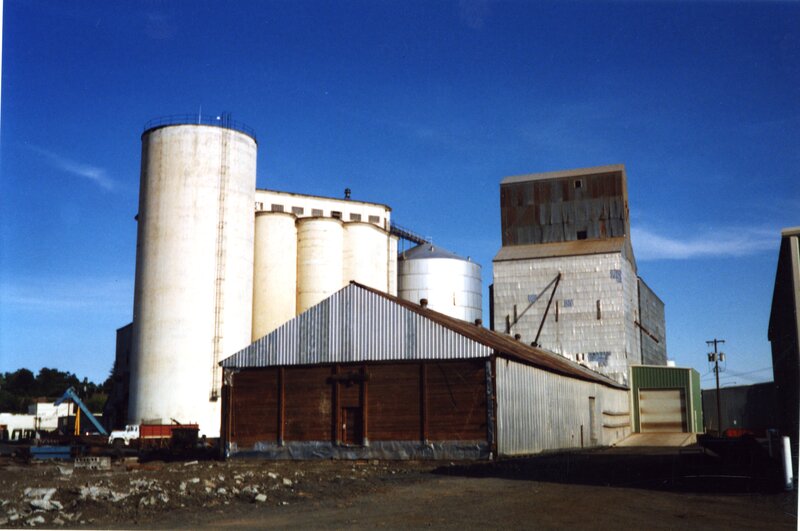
{"points": [[352, 425]]}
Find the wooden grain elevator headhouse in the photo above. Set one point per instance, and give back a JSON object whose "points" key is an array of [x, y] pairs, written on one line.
{"points": [[364, 374]]}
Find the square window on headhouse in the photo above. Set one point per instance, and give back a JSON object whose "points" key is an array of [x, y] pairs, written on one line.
{"points": [[277, 208], [375, 219], [316, 212], [355, 217], [336, 214], [297, 211]]}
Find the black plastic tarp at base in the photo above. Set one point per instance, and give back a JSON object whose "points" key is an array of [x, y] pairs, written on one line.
{"points": [[393, 450]]}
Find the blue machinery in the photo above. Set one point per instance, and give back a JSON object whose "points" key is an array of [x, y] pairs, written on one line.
{"points": [[70, 394]]}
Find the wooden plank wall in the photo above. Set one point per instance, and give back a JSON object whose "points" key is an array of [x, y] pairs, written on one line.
{"points": [[308, 404], [420, 401], [456, 401], [394, 402], [254, 405]]}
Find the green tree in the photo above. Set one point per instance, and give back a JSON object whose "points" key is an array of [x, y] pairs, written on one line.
{"points": [[20, 382]]}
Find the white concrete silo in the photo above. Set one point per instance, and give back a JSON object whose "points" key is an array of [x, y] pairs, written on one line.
{"points": [[450, 283], [320, 253], [274, 271], [194, 270], [367, 255]]}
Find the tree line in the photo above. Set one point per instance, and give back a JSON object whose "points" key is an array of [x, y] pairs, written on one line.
{"points": [[21, 388]]}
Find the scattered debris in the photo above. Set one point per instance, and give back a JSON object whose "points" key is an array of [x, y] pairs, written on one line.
{"points": [[35, 520]]}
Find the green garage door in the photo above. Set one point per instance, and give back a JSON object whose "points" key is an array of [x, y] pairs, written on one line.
{"points": [[662, 410]]}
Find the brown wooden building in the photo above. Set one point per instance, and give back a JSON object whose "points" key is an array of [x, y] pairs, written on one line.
{"points": [[364, 374]]}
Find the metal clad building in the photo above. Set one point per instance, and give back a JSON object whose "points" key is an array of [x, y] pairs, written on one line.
{"points": [[747, 407], [652, 334], [666, 399], [784, 332], [574, 224], [365, 374]]}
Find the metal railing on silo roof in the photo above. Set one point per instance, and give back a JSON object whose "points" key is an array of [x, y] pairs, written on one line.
{"points": [[218, 120]]}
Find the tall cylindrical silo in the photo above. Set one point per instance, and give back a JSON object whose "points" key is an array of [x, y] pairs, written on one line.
{"points": [[393, 265], [320, 252], [451, 284], [366, 255], [194, 270], [274, 272]]}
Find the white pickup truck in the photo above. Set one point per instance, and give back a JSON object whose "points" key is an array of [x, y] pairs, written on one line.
{"points": [[120, 438]]}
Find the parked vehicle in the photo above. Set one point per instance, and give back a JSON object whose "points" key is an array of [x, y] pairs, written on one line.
{"points": [[152, 435]]}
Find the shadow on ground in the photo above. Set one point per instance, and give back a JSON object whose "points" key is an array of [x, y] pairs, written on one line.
{"points": [[692, 469]]}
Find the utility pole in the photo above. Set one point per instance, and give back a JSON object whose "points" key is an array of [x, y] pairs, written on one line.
{"points": [[716, 357]]}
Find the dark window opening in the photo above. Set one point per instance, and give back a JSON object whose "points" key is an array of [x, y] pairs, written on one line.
{"points": [[355, 217], [582, 234], [578, 183], [316, 212], [374, 219], [598, 309], [297, 210], [277, 208], [336, 214]]}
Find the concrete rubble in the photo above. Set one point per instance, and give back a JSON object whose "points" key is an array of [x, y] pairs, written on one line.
{"points": [[54, 495]]}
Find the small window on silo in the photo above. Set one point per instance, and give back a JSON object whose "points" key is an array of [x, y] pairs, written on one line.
{"points": [[297, 210], [375, 219], [578, 183], [355, 217], [277, 208], [316, 212], [336, 214]]}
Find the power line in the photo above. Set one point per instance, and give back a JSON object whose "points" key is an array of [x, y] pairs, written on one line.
{"points": [[732, 373]]}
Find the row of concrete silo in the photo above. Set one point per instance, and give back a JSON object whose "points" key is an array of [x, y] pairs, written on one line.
{"points": [[212, 274], [299, 261]]}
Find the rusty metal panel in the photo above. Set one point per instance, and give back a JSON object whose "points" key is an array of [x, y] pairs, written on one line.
{"points": [[564, 206], [539, 410]]}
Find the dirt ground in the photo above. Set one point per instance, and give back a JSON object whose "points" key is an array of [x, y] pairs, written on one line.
{"points": [[583, 490]]}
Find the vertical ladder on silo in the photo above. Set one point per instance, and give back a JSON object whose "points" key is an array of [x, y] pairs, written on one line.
{"points": [[219, 291]]}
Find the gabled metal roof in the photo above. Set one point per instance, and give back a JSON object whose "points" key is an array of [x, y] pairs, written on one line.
{"points": [[358, 323]]}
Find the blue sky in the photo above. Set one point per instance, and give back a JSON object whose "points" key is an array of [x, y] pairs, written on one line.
{"points": [[424, 106]]}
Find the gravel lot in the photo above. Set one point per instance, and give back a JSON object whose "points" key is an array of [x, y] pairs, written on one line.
{"points": [[586, 490]]}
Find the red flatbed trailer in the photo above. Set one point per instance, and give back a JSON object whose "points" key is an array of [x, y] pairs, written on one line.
{"points": [[160, 434]]}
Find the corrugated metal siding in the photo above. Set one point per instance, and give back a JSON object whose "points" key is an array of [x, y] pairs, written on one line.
{"points": [[697, 402], [607, 345], [752, 407], [539, 410], [356, 325], [645, 377], [652, 318]]}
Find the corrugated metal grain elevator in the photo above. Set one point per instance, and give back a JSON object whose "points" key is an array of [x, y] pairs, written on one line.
{"points": [[566, 278]]}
